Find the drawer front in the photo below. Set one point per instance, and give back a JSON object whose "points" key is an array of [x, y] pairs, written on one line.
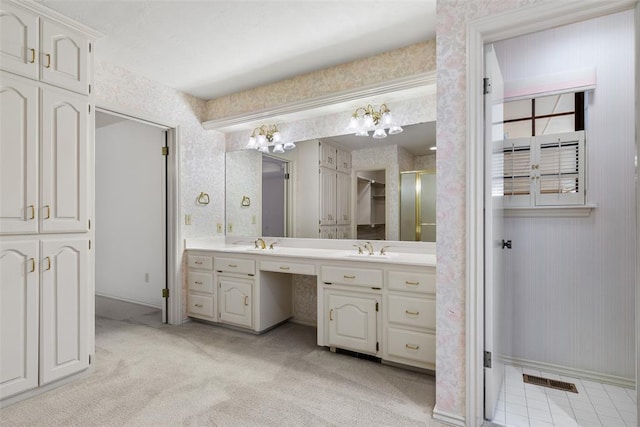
{"points": [[201, 282], [235, 265], [418, 312], [288, 267], [424, 282], [201, 306], [201, 262], [352, 276], [417, 346]]}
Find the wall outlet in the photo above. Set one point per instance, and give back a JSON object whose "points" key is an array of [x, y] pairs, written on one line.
{"points": [[253, 219], [187, 219], [230, 228], [219, 228]]}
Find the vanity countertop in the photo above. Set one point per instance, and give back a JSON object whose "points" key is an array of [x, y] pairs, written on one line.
{"points": [[397, 252]]}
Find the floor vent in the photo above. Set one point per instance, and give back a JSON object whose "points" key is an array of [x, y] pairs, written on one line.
{"points": [[546, 382]]}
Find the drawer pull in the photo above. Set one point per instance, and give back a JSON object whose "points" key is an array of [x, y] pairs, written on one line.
{"points": [[48, 55], [349, 277], [232, 265], [48, 208], [246, 300], [33, 264], [33, 55], [198, 262], [285, 268], [48, 264], [33, 212], [198, 305], [412, 346], [197, 283], [412, 313], [408, 282]]}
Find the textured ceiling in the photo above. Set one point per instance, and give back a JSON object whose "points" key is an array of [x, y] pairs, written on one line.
{"points": [[214, 48]]}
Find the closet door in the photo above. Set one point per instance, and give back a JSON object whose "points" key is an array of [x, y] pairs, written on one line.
{"points": [[63, 182], [18, 155], [64, 303], [328, 196], [63, 57], [18, 316], [18, 41]]}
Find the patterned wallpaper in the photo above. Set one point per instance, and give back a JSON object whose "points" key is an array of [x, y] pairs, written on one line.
{"points": [[394, 64], [451, 129], [244, 178], [427, 162]]}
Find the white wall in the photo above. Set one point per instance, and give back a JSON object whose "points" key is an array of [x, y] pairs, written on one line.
{"points": [[570, 281], [129, 212]]}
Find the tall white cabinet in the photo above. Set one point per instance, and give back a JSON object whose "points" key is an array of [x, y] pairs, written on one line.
{"points": [[46, 205], [326, 214]]}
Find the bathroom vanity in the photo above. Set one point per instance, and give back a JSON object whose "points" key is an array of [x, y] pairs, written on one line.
{"points": [[381, 305]]}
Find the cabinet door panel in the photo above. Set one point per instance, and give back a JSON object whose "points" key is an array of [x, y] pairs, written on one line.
{"points": [[64, 162], [327, 197], [235, 301], [343, 198], [63, 58], [64, 301], [18, 317], [18, 155], [352, 322], [18, 41]]}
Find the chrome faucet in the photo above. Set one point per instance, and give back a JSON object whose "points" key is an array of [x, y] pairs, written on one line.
{"points": [[359, 249], [260, 244], [369, 246]]}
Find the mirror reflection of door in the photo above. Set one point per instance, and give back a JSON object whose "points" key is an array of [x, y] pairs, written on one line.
{"points": [[275, 178], [371, 205], [418, 206]]}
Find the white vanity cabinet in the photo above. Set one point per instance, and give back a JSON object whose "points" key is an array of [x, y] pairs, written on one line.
{"points": [[235, 279], [352, 298], [201, 298], [410, 317]]}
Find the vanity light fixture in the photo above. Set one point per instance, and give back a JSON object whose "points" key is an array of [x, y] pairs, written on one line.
{"points": [[265, 136], [368, 118]]}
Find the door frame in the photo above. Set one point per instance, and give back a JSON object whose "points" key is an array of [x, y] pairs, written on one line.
{"points": [[513, 23], [173, 236]]}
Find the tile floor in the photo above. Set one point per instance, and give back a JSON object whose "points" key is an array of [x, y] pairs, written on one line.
{"points": [[595, 404]]}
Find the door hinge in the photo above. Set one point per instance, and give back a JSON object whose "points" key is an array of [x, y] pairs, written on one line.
{"points": [[377, 346], [89, 47], [89, 88], [487, 359], [165, 293], [89, 359], [89, 108], [89, 244], [506, 244], [486, 85], [165, 151], [377, 307], [287, 176]]}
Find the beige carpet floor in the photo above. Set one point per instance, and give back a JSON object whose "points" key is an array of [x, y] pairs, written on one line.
{"points": [[149, 374]]}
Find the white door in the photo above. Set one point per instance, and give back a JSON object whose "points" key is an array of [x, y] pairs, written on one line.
{"points": [[235, 301], [18, 317], [63, 57], [493, 194], [64, 300], [18, 155], [18, 41], [327, 196], [352, 322], [63, 181]]}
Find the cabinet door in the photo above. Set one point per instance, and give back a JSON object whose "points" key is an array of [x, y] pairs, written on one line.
{"points": [[63, 57], [327, 197], [344, 161], [18, 155], [328, 156], [328, 232], [352, 322], [63, 181], [235, 299], [18, 41], [18, 317], [343, 198], [64, 304]]}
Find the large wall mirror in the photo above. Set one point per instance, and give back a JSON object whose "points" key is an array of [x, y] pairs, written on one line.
{"points": [[278, 195]]}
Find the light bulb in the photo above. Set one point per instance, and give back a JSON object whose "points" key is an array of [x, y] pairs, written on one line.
{"points": [[394, 129], [386, 118], [353, 123], [276, 137], [252, 142], [264, 149], [379, 134], [278, 148], [262, 140], [289, 145]]}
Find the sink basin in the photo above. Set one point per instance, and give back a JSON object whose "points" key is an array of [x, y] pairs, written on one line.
{"points": [[367, 256]]}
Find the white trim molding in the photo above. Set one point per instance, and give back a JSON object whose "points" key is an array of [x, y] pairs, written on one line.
{"points": [[527, 19], [416, 85], [446, 417]]}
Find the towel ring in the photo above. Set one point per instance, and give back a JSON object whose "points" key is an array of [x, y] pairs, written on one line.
{"points": [[203, 199]]}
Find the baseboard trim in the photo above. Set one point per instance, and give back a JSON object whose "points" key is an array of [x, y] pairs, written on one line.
{"points": [[570, 372], [146, 304], [448, 417], [303, 322]]}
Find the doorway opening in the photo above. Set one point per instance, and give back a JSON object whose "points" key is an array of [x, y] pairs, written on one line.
{"points": [[131, 179], [371, 206], [275, 197]]}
